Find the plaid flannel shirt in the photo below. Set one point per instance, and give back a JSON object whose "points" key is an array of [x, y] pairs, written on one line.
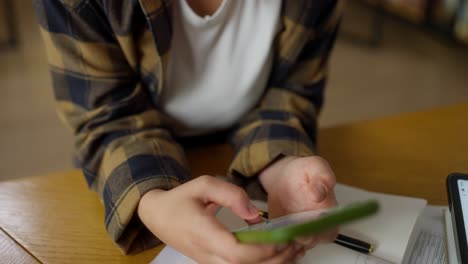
{"points": [[107, 60]]}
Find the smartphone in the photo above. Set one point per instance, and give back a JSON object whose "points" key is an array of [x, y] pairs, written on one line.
{"points": [[457, 191], [287, 228]]}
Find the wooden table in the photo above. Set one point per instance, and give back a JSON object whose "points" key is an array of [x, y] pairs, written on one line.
{"points": [[56, 219]]}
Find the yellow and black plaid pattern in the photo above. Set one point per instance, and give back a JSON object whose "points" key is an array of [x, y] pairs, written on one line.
{"points": [[107, 61]]}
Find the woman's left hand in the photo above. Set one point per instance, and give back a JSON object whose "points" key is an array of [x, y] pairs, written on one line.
{"points": [[297, 184]]}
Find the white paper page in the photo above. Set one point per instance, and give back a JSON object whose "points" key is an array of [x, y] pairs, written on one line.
{"points": [[389, 230], [336, 254], [170, 255], [427, 243]]}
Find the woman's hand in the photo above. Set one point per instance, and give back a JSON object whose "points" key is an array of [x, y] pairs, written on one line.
{"points": [[184, 218], [296, 184]]}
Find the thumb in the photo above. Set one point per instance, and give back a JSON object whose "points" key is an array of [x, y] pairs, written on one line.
{"points": [[227, 195]]}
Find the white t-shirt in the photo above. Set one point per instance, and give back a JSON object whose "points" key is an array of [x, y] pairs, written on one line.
{"points": [[218, 65]]}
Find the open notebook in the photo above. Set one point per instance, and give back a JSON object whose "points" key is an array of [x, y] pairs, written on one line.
{"points": [[389, 231]]}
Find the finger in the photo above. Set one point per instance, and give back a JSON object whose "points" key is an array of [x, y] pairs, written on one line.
{"points": [[287, 256], [254, 221], [325, 170], [212, 208], [251, 253], [214, 259], [238, 252], [307, 242], [327, 236], [221, 238], [310, 242], [227, 195], [322, 190], [212, 190], [324, 183], [322, 195]]}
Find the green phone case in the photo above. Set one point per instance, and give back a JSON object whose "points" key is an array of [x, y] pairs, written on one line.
{"points": [[328, 220]]}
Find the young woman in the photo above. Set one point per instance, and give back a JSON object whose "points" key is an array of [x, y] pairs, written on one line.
{"points": [[132, 77]]}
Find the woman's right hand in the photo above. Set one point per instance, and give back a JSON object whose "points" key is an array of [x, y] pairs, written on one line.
{"points": [[184, 218]]}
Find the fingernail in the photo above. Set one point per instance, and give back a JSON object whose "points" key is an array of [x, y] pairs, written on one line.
{"points": [[252, 209], [320, 191]]}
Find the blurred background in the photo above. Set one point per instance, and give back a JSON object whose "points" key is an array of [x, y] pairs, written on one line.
{"points": [[392, 56]]}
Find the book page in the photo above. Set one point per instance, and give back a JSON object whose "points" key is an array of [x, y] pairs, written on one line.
{"points": [[450, 236], [427, 244]]}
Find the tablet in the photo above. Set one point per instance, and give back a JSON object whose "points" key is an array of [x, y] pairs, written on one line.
{"points": [[457, 191], [285, 229]]}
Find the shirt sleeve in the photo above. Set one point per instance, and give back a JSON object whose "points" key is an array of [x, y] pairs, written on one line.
{"points": [[285, 121], [121, 142]]}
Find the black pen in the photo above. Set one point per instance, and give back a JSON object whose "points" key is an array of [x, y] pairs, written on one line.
{"points": [[263, 214], [342, 240], [354, 244]]}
